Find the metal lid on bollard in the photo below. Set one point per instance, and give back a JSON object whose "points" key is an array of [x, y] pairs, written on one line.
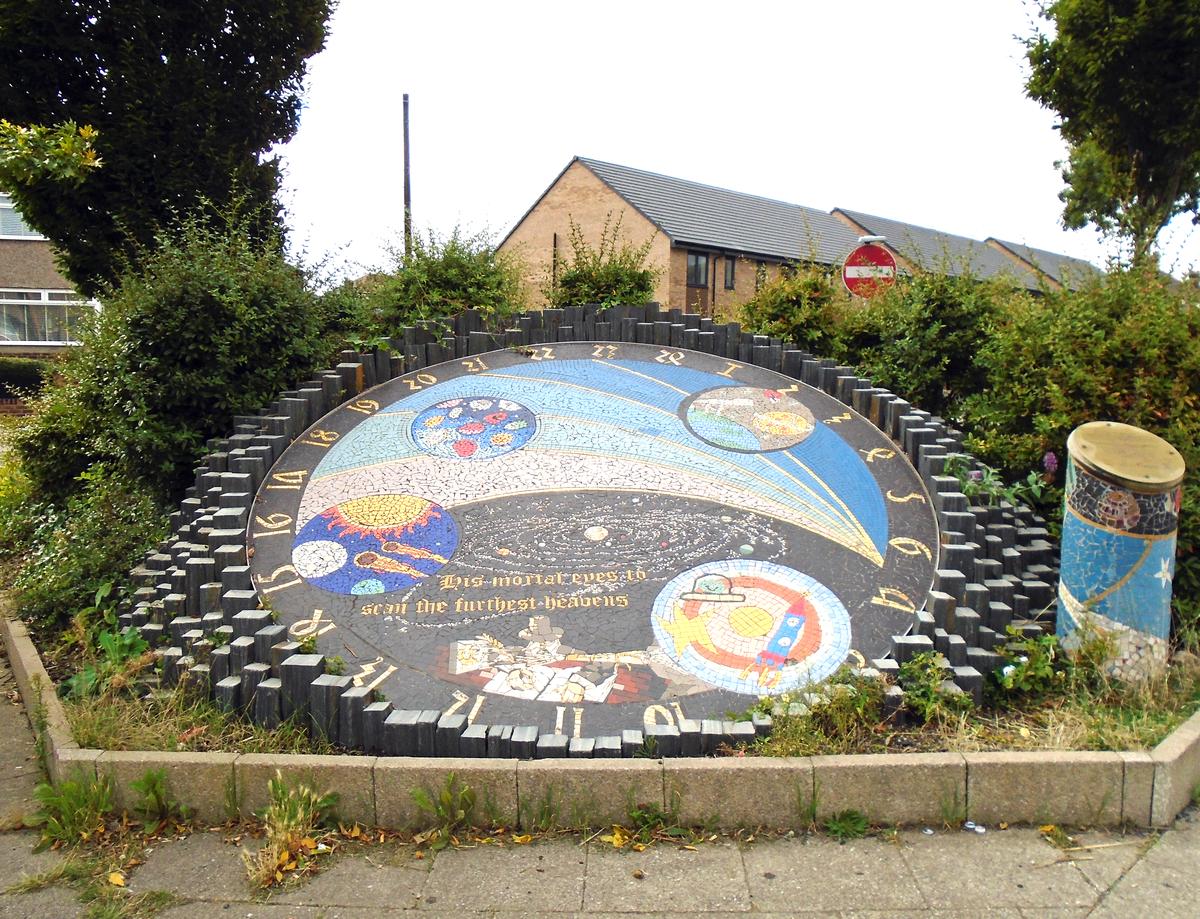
{"points": [[1127, 455]]}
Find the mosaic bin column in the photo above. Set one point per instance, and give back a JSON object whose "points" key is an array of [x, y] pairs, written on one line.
{"points": [[1120, 515]]}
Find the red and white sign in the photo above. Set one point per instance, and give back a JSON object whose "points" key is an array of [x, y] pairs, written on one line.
{"points": [[868, 269]]}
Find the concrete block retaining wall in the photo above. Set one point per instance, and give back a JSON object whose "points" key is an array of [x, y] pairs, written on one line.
{"points": [[1072, 787]]}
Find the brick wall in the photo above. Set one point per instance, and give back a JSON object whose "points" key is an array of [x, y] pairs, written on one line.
{"points": [[29, 263], [580, 196], [727, 301]]}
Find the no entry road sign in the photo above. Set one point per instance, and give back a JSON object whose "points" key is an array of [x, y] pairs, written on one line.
{"points": [[867, 269]]}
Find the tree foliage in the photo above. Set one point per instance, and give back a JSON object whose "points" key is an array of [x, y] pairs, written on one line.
{"points": [[212, 324], [1124, 78], [33, 153], [612, 273], [187, 99]]}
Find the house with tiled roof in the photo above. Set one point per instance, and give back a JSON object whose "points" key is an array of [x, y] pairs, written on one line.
{"points": [[925, 249], [714, 246], [1062, 270]]}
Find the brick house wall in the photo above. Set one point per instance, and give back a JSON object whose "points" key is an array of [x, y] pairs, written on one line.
{"points": [[29, 263], [580, 196]]}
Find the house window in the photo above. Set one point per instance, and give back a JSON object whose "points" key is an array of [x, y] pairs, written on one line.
{"points": [[730, 262], [41, 316], [11, 224], [697, 269]]}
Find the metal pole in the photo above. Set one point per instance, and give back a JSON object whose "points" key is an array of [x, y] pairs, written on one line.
{"points": [[407, 189]]}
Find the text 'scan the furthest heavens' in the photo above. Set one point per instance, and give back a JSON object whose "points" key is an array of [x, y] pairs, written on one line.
{"points": [[1120, 516]]}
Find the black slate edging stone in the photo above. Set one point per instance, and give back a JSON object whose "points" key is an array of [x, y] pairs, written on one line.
{"points": [[995, 567]]}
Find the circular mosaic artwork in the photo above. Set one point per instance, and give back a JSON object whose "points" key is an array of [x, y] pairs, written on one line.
{"points": [[588, 537]]}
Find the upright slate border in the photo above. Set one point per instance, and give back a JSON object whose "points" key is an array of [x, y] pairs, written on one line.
{"points": [[195, 601], [1138, 789]]}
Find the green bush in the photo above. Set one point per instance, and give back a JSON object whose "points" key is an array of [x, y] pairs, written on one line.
{"points": [[212, 325], [805, 305], [614, 273], [1125, 348], [1018, 371], [72, 551], [22, 376], [437, 280], [920, 337]]}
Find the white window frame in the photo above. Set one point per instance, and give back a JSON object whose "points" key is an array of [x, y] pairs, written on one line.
{"points": [[6, 204], [43, 299]]}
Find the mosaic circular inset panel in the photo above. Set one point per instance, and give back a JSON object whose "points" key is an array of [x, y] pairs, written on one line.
{"points": [[749, 419], [752, 627], [473, 428], [374, 544], [603, 535]]}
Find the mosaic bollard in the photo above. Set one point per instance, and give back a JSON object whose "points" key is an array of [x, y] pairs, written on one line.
{"points": [[1120, 515]]}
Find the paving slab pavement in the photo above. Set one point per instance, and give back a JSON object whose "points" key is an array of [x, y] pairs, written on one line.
{"points": [[1009, 874]]}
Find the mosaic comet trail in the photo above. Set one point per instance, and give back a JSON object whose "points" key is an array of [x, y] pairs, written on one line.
{"points": [[608, 534]]}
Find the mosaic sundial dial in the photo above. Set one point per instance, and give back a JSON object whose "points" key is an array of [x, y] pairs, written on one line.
{"points": [[586, 537]]}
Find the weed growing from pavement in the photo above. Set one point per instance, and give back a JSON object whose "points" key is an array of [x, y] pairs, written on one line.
{"points": [[291, 820], [99, 847], [155, 802], [451, 807], [847, 824]]}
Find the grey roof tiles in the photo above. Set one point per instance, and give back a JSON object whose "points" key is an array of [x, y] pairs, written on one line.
{"points": [[934, 250], [1068, 271], [703, 215]]}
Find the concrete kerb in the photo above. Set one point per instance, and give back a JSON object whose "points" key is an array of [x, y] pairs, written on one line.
{"points": [[1073, 788], [1176, 771]]}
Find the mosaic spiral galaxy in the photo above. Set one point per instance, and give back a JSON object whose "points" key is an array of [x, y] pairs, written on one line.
{"points": [[375, 544], [475, 427]]}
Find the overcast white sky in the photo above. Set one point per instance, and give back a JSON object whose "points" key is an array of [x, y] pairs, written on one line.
{"points": [[910, 110]]}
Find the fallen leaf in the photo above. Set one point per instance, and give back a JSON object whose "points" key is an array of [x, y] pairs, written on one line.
{"points": [[638, 847], [639, 874], [1004, 826], [284, 856], [308, 843], [523, 839], [116, 878], [278, 877], [1047, 828], [688, 848], [418, 854]]}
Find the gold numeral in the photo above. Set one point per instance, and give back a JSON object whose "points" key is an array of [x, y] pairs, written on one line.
{"points": [[541, 354], [674, 358], [909, 546], [474, 364], [288, 481], [314, 626], [838, 419], [904, 499], [894, 599], [364, 406], [365, 670], [878, 453], [274, 525], [604, 351], [271, 578], [319, 438], [419, 381], [729, 371]]}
